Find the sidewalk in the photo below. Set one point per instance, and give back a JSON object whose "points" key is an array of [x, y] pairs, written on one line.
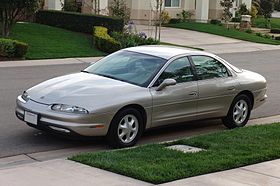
{"points": [[65, 172], [209, 42], [262, 174]]}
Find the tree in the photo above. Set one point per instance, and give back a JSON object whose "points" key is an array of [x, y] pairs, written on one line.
{"points": [[119, 8], [227, 15], [267, 7], [277, 5], [158, 19], [14, 10]]}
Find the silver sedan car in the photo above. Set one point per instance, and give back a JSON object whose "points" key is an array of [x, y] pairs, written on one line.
{"points": [[139, 88]]}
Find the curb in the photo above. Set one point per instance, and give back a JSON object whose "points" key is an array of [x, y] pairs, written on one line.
{"points": [[44, 62], [17, 160]]}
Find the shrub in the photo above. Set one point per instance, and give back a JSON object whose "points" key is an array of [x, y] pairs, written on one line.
{"points": [[174, 21], [71, 6], [249, 31], [259, 34], [275, 31], [165, 18], [12, 48], [78, 22], [215, 22], [236, 19], [131, 40], [103, 41], [185, 15]]}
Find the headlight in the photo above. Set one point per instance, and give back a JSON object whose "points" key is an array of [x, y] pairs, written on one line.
{"points": [[25, 96], [69, 109]]}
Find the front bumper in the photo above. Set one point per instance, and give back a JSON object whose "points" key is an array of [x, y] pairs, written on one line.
{"points": [[60, 122]]}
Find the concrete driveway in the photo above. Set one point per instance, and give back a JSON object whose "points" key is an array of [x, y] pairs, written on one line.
{"points": [[209, 42]]}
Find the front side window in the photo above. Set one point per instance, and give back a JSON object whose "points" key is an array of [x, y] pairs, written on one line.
{"points": [[208, 68], [172, 3], [179, 69]]}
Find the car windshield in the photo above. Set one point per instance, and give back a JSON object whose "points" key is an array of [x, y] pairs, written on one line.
{"points": [[131, 67]]}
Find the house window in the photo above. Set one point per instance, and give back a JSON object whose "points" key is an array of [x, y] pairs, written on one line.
{"points": [[172, 3]]}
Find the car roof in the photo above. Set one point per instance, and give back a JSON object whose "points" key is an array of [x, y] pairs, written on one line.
{"points": [[164, 51]]}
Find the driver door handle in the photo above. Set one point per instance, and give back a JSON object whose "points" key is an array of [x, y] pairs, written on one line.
{"points": [[193, 94]]}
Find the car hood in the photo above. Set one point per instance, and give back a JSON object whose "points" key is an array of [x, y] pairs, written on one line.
{"points": [[80, 89]]}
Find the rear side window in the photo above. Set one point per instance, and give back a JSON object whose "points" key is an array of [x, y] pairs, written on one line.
{"points": [[209, 68]]}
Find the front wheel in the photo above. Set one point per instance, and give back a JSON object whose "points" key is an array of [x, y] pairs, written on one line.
{"points": [[239, 112], [125, 129]]}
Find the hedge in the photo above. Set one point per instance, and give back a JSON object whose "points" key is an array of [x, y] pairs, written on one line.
{"points": [[78, 22], [103, 41], [12, 48], [174, 21]]}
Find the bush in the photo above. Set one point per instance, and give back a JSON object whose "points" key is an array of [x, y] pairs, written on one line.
{"points": [[103, 41], [78, 22], [71, 6], [12, 48], [236, 19], [165, 18], [131, 40], [249, 31], [174, 21], [275, 31], [259, 34], [215, 22]]}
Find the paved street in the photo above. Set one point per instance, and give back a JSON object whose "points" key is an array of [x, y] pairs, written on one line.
{"points": [[17, 138]]}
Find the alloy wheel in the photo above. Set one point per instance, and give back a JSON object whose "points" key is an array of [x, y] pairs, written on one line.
{"points": [[128, 128]]}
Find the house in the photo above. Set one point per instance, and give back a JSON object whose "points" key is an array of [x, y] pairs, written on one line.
{"points": [[143, 11]]}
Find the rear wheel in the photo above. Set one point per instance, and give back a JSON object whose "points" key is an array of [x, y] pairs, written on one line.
{"points": [[239, 112], [125, 129]]}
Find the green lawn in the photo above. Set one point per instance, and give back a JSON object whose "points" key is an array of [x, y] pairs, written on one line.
{"points": [[222, 31], [261, 22], [225, 150], [50, 42]]}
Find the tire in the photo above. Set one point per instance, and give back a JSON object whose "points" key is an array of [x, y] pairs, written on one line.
{"points": [[239, 112], [121, 133]]}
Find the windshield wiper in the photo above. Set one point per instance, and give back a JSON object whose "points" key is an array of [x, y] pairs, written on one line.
{"points": [[85, 71]]}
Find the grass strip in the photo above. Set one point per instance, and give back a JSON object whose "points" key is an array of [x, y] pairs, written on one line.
{"points": [[223, 31], [225, 150]]}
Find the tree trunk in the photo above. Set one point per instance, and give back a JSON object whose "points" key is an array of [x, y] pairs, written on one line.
{"points": [[160, 20], [157, 18]]}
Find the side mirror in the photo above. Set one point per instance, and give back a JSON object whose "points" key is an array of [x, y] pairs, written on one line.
{"points": [[166, 83]]}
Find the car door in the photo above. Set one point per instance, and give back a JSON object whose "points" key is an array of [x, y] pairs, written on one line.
{"points": [[216, 87], [175, 103]]}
